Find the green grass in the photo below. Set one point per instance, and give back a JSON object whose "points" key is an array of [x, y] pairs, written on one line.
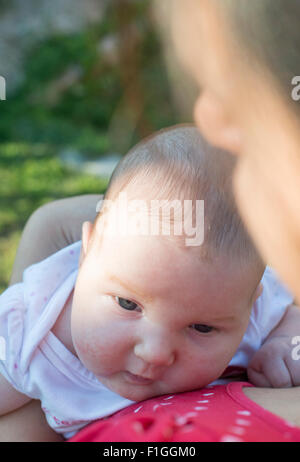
{"points": [[32, 175], [37, 122]]}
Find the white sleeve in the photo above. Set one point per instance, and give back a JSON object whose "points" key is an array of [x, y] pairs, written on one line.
{"points": [[12, 312], [267, 312], [270, 307]]}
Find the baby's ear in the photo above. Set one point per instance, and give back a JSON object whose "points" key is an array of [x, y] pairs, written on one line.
{"points": [[87, 229]]}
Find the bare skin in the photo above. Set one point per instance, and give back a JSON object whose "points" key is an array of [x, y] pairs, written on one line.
{"points": [[279, 401], [49, 222], [42, 236], [248, 127], [45, 232], [14, 426]]}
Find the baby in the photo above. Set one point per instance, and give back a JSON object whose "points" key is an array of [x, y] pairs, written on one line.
{"points": [[134, 311]]}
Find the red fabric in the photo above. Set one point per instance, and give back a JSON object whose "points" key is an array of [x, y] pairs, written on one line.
{"points": [[213, 414]]}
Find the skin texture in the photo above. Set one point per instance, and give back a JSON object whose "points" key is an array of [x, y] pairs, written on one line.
{"points": [[27, 424], [275, 364], [243, 111], [164, 335], [47, 222]]}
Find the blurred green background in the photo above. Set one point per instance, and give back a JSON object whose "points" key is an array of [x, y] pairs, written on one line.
{"points": [[84, 80]]}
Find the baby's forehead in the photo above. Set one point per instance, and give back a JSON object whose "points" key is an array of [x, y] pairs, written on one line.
{"points": [[152, 258], [147, 215]]}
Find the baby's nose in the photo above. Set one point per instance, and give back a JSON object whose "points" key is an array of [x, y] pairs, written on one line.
{"points": [[156, 348]]}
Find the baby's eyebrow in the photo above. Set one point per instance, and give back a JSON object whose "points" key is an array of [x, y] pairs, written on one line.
{"points": [[229, 318], [127, 286]]}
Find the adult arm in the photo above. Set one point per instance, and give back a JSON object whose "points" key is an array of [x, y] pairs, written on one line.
{"points": [[50, 228], [27, 424], [284, 402]]}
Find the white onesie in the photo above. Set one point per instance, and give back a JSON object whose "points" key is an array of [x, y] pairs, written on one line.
{"points": [[37, 364]]}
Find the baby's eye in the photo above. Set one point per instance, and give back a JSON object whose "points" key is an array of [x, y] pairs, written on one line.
{"points": [[203, 328], [127, 304]]}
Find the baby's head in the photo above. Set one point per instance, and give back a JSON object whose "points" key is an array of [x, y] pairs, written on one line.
{"points": [[152, 314]]}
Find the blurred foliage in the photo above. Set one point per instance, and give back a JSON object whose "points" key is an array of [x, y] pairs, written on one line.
{"points": [[71, 91], [76, 96], [31, 175]]}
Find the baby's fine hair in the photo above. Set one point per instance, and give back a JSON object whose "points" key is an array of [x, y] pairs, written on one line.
{"points": [[177, 163]]}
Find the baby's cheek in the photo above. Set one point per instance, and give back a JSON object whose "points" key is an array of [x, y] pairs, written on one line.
{"points": [[100, 347], [220, 354]]}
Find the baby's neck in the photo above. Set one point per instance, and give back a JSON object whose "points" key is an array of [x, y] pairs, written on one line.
{"points": [[62, 326]]}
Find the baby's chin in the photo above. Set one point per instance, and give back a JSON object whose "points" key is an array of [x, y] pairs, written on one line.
{"points": [[130, 391], [141, 392]]}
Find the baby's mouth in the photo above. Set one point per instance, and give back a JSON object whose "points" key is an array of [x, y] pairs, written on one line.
{"points": [[137, 379]]}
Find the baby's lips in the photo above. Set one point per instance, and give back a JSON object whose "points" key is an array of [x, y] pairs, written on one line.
{"points": [[137, 379]]}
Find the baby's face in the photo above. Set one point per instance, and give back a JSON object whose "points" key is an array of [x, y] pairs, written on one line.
{"points": [[150, 318]]}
